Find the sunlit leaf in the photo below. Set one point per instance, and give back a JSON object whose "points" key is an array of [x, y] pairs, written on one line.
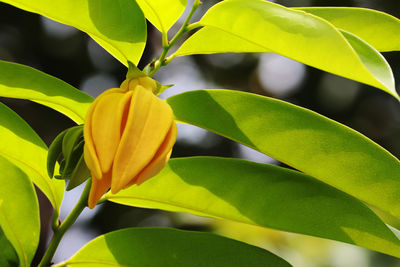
{"points": [[19, 211], [305, 140], [162, 14], [155, 247], [24, 148], [211, 40], [262, 26], [119, 26], [19, 81], [262, 195], [379, 29], [372, 60]]}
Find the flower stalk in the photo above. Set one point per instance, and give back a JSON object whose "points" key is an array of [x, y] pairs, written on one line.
{"points": [[63, 228], [167, 45]]}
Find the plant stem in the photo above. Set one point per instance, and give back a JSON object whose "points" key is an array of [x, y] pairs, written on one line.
{"points": [[54, 220], [60, 231], [161, 61]]}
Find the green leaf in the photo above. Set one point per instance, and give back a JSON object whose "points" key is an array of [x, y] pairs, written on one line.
{"points": [[24, 148], [262, 26], [8, 255], [264, 195], [305, 140], [162, 14], [19, 81], [372, 60], [154, 247], [210, 40], [379, 29], [118, 26], [19, 211]]}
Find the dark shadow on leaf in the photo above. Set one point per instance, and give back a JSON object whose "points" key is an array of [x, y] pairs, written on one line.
{"points": [[169, 247], [119, 20]]}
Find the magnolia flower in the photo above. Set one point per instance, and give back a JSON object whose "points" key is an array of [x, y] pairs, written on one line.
{"points": [[129, 133]]}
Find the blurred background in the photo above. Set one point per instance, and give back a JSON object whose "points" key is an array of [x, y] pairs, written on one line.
{"points": [[72, 56]]}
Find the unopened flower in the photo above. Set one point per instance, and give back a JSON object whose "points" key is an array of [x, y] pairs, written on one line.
{"points": [[129, 133]]}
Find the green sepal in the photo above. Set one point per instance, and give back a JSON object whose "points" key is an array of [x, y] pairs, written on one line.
{"points": [[71, 139], [71, 160], [70, 145], [134, 71], [54, 153], [62, 166], [80, 174], [161, 88]]}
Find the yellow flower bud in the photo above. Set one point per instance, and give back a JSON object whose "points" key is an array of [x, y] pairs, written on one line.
{"points": [[129, 134]]}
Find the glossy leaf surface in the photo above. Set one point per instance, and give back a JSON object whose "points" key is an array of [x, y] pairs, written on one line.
{"points": [[24, 148], [119, 26], [262, 26], [23, 82], [264, 195], [19, 211], [305, 140], [379, 29], [154, 247], [372, 60], [162, 14]]}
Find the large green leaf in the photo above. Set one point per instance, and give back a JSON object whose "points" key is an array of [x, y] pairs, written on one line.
{"points": [[19, 211], [211, 40], [19, 81], [137, 247], [23, 147], [119, 26], [162, 14], [263, 195], [305, 140], [262, 26], [379, 29]]}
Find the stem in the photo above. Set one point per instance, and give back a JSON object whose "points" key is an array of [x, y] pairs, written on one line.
{"points": [[161, 61], [60, 231], [193, 26], [54, 220]]}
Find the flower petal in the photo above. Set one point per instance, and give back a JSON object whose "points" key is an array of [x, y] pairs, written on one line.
{"points": [[90, 152], [92, 162], [159, 160], [98, 189], [106, 124], [148, 123]]}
